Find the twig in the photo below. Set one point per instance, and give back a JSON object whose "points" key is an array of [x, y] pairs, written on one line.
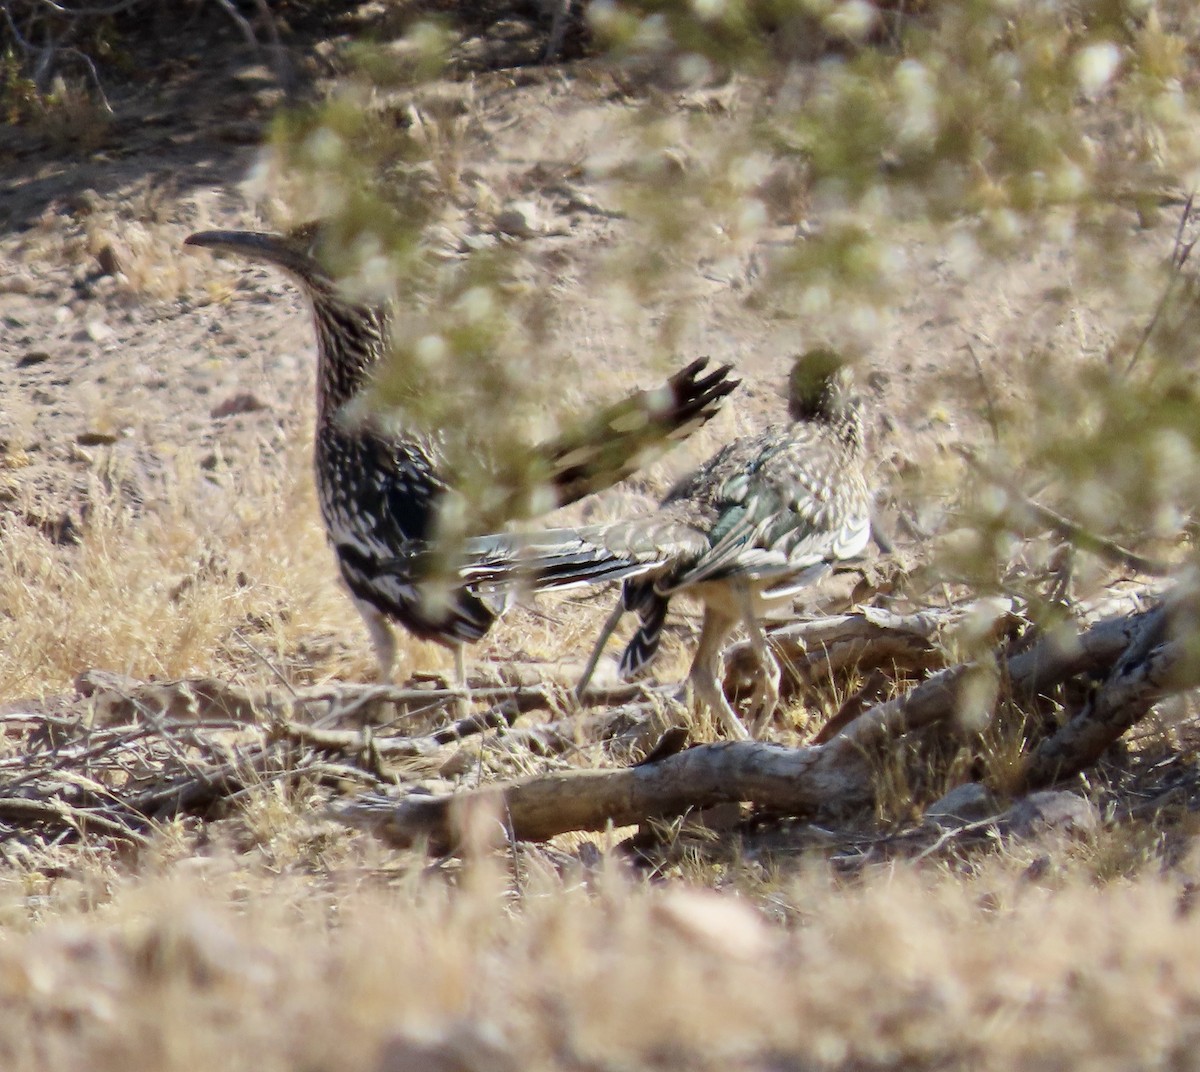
{"points": [[985, 387], [78, 819], [354, 742], [1180, 252], [241, 22], [284, 73], [46, 54], [278, 60], [1083, 538], [87, 12], [558, 29]]}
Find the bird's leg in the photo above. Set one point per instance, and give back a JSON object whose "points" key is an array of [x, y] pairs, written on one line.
{"points": [[705, 673], [460, 667], [609, 625], [462, 703], [383, 640], [766, 687]]}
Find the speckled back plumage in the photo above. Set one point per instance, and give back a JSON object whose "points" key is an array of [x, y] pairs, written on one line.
{"points": [[776, 508]]}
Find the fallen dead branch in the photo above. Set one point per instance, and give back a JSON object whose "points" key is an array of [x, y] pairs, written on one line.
{"points": [[1156, 662], [116, 699], [194, 746], [133, 753], [83, 820], [830, 778], [1027, 675], [534, 809]]}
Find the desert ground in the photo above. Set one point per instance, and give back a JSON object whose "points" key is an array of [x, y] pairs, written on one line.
{"points": [[168, 606]]}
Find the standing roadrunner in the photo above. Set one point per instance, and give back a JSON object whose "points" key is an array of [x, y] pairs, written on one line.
{"points": [[764, 517], [380, 492]]}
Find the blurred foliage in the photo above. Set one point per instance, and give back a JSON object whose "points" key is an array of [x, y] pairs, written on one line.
{"points": [[985, 124], [813, 140]]}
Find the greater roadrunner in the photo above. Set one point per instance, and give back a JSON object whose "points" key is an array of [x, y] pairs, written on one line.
{"points": [[764, 517], [380, 492]]}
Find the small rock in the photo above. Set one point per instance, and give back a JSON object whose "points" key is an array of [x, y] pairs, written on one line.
{"points": [[519, 220], [721, 923], [34, 357], [18, 283], [95, 439], [465, 1047], [477, 242], [85, 202], [963, 804], [1038, 868], [245, 402], [98, 331], [461, 762], [1052, 810], [62, 530], [108, 261]]}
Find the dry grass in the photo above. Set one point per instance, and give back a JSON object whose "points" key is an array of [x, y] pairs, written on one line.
{"points": [[230, 576], [264, 938], [127, 240], [268, 939], [214, 961]]}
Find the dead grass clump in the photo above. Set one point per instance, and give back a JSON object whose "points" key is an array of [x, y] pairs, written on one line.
{"points": [[230, 575], [127, 242]]}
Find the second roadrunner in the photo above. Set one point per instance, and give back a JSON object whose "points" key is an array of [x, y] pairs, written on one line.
{"points": [[766, 516], [380, 492]]}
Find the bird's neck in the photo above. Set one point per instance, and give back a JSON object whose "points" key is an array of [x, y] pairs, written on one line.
{"points": [[846, 420], [350, 343]]}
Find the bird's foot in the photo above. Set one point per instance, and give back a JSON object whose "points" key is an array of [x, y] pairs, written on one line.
{"points": [[766, 696], [712, 696]]}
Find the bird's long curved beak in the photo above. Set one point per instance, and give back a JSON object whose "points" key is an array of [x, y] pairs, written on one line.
{"points": [[258, 246]]}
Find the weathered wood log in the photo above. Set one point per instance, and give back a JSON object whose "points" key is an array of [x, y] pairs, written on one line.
{"points": [[1155, 663], [1054, 660], [793, 780], [815, 649]]}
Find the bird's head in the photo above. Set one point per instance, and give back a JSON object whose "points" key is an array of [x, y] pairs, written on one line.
{"points": [[819, 386], [296, 252], [350, 336]]}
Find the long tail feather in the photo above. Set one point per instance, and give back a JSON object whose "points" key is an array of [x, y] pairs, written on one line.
{"points": [[643, 645], [627, 435]]}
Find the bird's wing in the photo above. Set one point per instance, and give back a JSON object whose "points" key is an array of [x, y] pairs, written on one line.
{"points": [[779, 504]]}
